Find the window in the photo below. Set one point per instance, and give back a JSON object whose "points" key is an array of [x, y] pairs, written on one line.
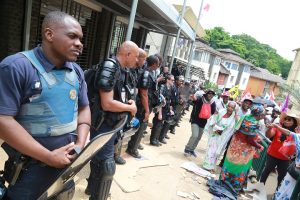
{"points": [[87, 19], [246, 69], [217, 61], [197, 55], [205, 57], [234, 66], [244, 81], [231, 79], [227, 64], [215, 74]]}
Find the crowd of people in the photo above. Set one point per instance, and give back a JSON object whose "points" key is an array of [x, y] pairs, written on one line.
{"points": [[45, 114]]}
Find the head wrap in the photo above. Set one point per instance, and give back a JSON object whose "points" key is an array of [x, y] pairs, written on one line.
{"points": [[256, 110]]}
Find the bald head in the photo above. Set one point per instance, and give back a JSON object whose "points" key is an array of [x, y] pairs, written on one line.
{"points": [[128, 54], [142, 57]]}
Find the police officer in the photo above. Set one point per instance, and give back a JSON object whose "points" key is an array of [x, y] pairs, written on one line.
{"points": [[144, 107], [110, 83], [166, 114], [178, 107], [130, 80], [44, 111]]}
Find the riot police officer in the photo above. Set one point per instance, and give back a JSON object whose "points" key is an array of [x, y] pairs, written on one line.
{"points": [[161, 123], [110, 83], [145, 83]]}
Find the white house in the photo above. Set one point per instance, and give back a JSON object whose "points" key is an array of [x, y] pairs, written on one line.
{"points": [[238, 67]]}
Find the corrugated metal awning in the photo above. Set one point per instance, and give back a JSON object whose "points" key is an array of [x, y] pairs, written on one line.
{"points": [[154, 15]]}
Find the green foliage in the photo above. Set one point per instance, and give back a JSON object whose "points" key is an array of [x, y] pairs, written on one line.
{"points": [[260, 55], [293, 91], [210, 85]]}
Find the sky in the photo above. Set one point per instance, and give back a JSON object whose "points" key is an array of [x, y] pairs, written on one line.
{"points": [[272, 22]]}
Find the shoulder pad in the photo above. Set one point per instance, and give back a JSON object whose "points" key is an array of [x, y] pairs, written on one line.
{"points": [[145, 80], [107, 75]]}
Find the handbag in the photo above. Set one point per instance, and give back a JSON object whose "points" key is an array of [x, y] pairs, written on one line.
{"points": [[205, 111], [288, 149]]}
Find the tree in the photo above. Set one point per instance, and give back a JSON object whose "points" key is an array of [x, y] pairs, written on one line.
{"points": [[260, 55]]}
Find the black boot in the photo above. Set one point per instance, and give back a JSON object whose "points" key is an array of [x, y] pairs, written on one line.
{"points": [[100, 179]]}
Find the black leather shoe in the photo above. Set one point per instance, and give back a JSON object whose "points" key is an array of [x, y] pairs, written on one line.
{"points": [[87, 191], [163, 141], [140, 147], [167, 137], [155, 143], [134, 154], [119, 160]]}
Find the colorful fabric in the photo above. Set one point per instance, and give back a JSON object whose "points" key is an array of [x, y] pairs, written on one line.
{"points": [[249, 125], [240, 153], [286, 188], [257, 110], [296, 137], [216, 142]]}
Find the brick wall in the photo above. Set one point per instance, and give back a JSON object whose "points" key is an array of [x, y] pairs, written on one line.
{"points": [[11, 26]]}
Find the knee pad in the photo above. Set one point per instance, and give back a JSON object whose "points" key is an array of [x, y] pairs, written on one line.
{"points": [[101, 178], [68, 192]]}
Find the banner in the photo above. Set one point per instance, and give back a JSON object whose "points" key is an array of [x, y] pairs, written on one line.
{"points": [[272, 96], [234, 92], [285, 105], [246, 95]]}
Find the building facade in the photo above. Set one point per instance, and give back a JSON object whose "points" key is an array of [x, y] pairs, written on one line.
{"points": [[294, 74]]}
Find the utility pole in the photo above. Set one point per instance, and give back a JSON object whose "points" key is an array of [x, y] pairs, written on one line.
{"points": [[131, 19], [178, 34], [192, 48]]}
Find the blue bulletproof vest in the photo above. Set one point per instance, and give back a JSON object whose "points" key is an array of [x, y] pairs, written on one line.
{"points": [[54, 111]]}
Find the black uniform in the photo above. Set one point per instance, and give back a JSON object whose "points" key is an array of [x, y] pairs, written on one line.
{"points": [[142, 80], [178, 107], [160, 128], [108, 78]]}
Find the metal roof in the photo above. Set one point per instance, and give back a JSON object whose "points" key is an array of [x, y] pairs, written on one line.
{"points": [[202, 46], [264, 74], [154, 15], [191, 19], [223, 69], [234, 56]]}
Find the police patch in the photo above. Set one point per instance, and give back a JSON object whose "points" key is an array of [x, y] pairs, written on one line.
{"points": [[73, 94]]}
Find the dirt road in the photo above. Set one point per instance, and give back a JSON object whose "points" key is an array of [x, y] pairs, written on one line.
{"points": [[158, 175]]}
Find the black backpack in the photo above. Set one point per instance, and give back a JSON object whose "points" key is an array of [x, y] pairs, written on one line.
{"points": [[89, 76]]}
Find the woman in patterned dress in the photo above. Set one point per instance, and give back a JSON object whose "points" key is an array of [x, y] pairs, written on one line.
{"points": [[219, 128], [243, 145]]}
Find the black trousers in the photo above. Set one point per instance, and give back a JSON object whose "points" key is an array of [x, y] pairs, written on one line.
{"points": [[156, 129], [271, 163], [164, 130]]}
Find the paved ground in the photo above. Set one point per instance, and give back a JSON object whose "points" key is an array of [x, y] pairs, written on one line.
{"points": [[158, 174]]}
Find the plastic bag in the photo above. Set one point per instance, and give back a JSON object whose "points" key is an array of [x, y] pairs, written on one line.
{"points": [[288, 149]]}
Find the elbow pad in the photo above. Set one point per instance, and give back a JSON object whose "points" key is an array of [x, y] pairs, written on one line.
{"points": [[144, 80], [107, 75]]}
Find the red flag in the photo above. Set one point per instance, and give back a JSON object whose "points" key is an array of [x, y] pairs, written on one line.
{"points": [[206, 7], [246, 95]]}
